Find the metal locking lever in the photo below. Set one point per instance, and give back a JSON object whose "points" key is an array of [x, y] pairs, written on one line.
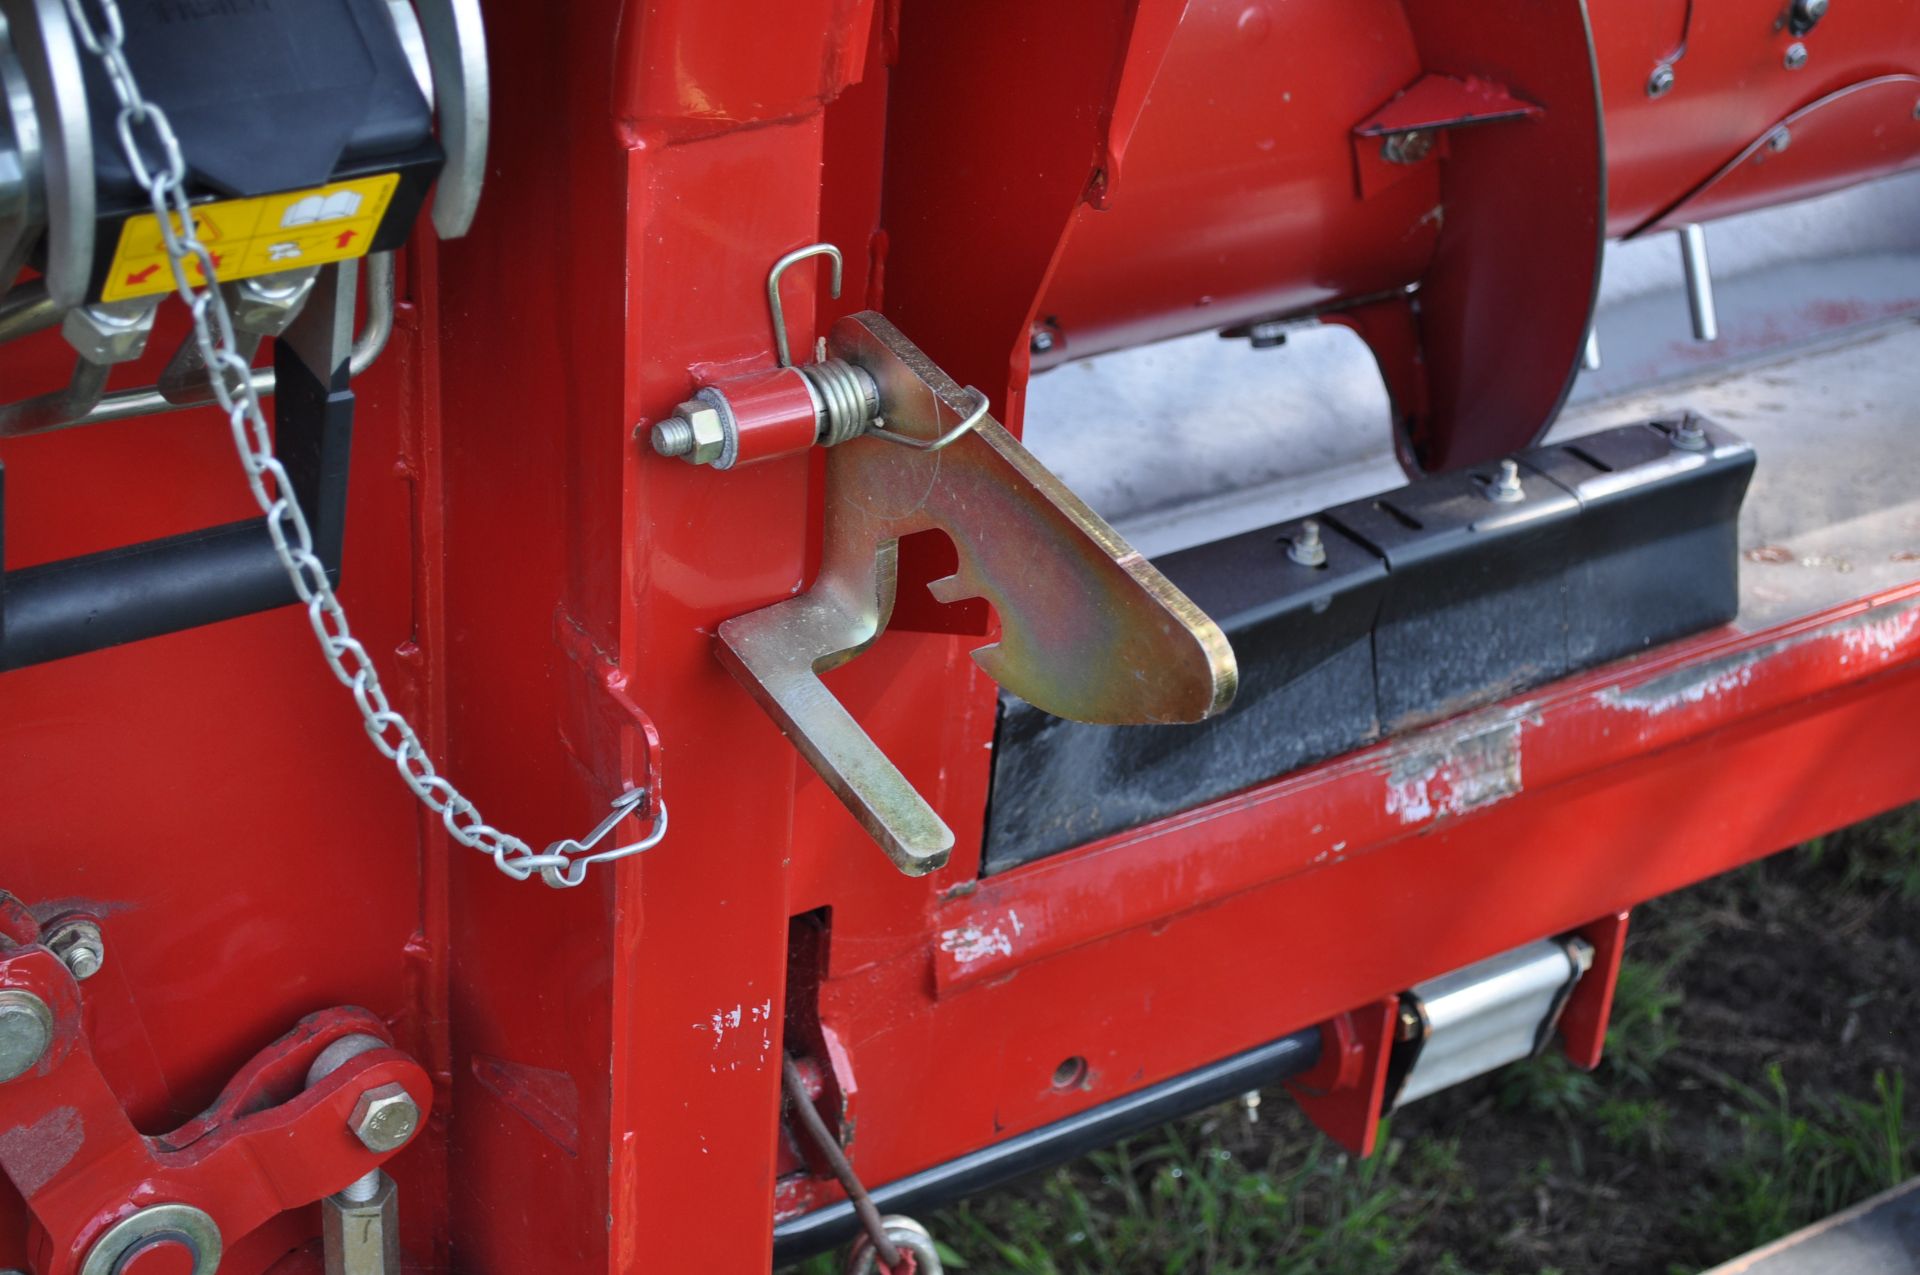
{"points": [[1089, 629]]}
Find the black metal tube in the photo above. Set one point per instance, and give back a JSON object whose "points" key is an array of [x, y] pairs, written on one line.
{"points": [[1052, 1144], [140, 591], [58, 609]]}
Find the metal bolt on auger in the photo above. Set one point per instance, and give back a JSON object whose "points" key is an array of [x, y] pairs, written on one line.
{"points": [[1505, 485], [1660, 83], [1687, 433], [1307, 548], [1796, 56]]}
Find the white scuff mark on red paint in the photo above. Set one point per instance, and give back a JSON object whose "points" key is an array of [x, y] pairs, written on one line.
{"points": [[1879, 638], [1878, 634], [1677, 690], [763, 1014], [722, 1021], [971, 942], [1453, 772]]}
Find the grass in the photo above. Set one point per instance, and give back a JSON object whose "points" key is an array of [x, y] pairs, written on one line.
{"points": [[1753, 1083], [1804, 1156]]}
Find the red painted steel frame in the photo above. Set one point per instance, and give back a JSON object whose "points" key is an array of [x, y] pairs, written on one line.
{"points": [[606, 1059]]}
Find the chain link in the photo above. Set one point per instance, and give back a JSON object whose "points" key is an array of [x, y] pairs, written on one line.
{"points": [[152, 152]]}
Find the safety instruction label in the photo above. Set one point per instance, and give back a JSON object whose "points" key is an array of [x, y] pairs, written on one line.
{"points": [[248, 237]]}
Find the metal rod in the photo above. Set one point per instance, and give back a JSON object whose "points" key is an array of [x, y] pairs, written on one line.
{"points": [[26, 310], [366, 349], [1101, 1126], [825, 1143], [1699, 272], [49, 411]]}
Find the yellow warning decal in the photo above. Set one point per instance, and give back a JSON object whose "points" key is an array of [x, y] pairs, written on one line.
{"points": [[250, 237]]}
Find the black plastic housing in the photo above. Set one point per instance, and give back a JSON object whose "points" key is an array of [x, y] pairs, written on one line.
{"points": [[1434, 598]]}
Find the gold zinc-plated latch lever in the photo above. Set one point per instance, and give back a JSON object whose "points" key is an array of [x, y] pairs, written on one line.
{"points": [[1089, 629]]}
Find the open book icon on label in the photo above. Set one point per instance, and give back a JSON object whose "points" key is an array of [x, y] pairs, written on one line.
{"points": [[335, 207]]}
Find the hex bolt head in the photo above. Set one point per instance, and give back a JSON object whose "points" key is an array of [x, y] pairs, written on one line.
{"points": [[26, 1030], [385, 1118], [1796, 56], [1660, 83], [1780, 139], [1041, 339]]}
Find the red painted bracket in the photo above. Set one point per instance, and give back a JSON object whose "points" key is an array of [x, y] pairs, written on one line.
{"points": [[1342, 1094], [606, 730], [267, 1145], [1432, 104], [1583, 1021]]}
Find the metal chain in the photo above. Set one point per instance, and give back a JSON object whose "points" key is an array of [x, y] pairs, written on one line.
{"points": [[144, 129]]}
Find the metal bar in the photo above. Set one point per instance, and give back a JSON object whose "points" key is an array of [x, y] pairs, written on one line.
{"points": [[140, 591], [47, 411], [1613, 715], [1060, 1141], [26, 310], [1699, 272], [801, 1104]]}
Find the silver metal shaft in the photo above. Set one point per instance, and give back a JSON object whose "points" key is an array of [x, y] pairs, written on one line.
{"points": [[1699, 272]]}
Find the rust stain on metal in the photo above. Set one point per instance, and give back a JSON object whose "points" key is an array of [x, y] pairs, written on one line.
{"points": [[34, 1154]]}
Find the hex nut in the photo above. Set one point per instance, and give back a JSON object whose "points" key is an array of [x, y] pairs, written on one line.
{"points": [[1409, 147], [1796, 57], [385, 1118], [362, 1237], [113, 333], [1660, 83], [266, 304], [79, 946], [709, 432]]}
